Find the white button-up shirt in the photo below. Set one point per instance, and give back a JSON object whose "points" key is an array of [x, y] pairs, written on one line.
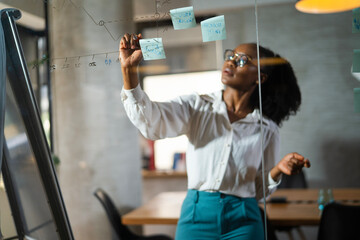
{"points": [[221, 156]]}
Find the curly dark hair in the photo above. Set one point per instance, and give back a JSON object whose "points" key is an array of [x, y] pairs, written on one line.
{"points": [[280, 93]]}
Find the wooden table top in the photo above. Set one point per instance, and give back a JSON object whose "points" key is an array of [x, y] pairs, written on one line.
{"points": [[301, 206], [311, 194], [299, 209], [162, 209]]}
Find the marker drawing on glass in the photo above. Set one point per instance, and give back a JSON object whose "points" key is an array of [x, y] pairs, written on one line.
{"points": [[152, 48], [213, 29], [183, 18]]}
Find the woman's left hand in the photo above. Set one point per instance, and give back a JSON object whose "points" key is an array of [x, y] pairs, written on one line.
{"points": [[292, 163]]}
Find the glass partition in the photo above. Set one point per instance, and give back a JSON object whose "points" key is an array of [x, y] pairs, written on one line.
{"points": [[24, 177], [29, 176], [319, 47]]}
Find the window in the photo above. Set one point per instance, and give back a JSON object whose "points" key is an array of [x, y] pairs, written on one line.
{"points": [[165, 87]]}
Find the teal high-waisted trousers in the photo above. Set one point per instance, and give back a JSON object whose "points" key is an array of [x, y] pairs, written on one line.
{"points": [[213, 215]]}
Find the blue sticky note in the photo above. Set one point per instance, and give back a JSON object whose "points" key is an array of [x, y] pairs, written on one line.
{"points": [[183, 18], [356, 60], [356, 20], [213, 29], [357, 100], [152, 48]]}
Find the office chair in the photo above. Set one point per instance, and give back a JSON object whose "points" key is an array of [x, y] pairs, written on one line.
{"points": [[122, 231], [339, 222], [292, 181]]}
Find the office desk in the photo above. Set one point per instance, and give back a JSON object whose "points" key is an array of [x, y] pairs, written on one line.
{"points": [[301, 206], [300, 209]]}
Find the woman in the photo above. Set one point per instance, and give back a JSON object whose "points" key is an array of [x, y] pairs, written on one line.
{"points": [[223, 128]]}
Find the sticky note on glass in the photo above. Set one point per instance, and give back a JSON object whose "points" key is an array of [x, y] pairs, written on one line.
{"points": [[183, 18], [356, 20], [152, 48], [357, 100], [356, 60], [213, 29]]}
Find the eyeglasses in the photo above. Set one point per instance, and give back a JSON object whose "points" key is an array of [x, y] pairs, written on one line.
{"points": [[240, 58]]}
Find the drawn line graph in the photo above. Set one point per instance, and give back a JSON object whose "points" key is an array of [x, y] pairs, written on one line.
{"points": [[102, 23], [59, 5]]}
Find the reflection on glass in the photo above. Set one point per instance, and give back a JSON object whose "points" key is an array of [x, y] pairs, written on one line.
{"points": [[34, 208]]}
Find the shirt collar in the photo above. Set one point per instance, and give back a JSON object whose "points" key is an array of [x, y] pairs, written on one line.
{"points": [[218, 103], [215, 98], [255, 117]]}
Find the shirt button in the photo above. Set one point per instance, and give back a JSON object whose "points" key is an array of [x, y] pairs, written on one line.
{"points": [[222, 163], [228, 145], [217, 180]]}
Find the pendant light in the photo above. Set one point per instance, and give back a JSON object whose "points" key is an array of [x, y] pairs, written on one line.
{"points": [[326, 6]]}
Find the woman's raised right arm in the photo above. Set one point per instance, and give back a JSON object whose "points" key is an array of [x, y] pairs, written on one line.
{"points": [[155, 120], [130, 57]]}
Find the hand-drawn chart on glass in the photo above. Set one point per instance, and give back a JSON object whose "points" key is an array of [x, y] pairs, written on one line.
{"points": [[96, 59]]}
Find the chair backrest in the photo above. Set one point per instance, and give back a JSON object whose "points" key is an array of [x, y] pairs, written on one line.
{"points": [[293, 181], [113, 215], [339, 222]]}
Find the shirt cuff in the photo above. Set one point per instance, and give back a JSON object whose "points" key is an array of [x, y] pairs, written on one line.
{"points": [[272, 182], [132, 95]]}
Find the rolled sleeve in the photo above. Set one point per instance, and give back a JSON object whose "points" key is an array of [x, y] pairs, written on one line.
{"points": [[131, 95], [272, 183]]}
